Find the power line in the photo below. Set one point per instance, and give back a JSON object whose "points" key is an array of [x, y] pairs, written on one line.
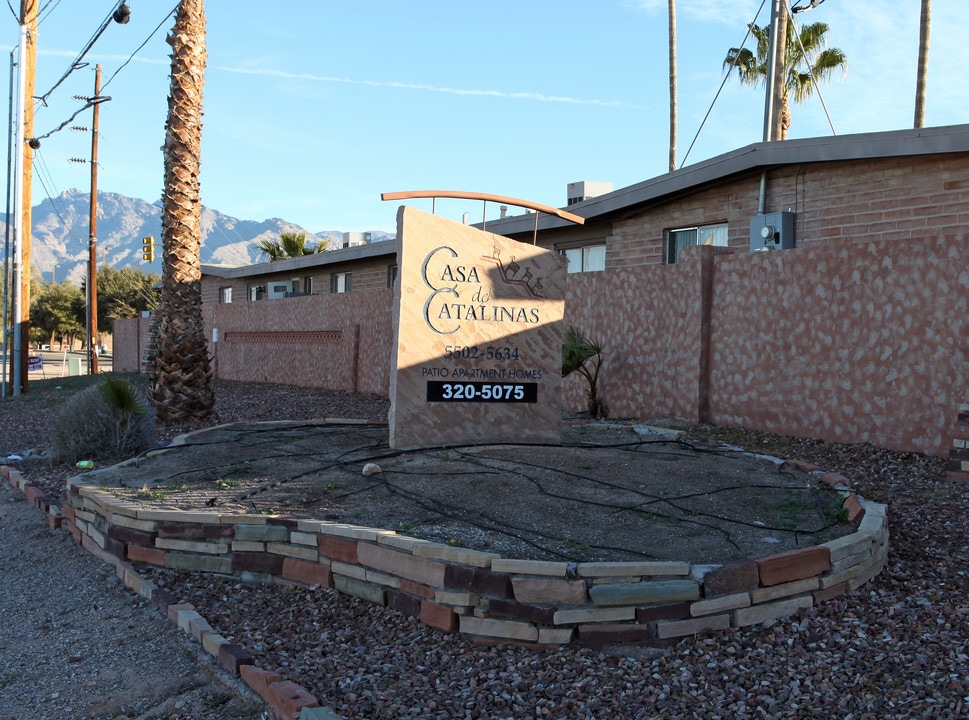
{"points": [[119, 14], [750, 28], [139, 48]]}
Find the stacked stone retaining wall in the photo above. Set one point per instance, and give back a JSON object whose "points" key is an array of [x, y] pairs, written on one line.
{"points": [[456, 590], [482, 594]]}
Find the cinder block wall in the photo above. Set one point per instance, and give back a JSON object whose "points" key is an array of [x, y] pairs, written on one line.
{"points": [[339, 341]]}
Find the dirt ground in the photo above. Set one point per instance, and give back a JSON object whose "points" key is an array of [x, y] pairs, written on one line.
{"points": [[610, 492]]}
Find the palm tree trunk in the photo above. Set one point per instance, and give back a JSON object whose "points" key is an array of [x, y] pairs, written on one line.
{"points": [[180, 375], [673, 120], [920, 83]]}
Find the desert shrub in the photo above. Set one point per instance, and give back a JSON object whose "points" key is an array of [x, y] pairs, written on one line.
{"points": [[584, 356], [109, 420]]}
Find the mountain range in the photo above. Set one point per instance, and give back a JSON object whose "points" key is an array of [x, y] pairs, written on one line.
{"points": [[61, 229]]}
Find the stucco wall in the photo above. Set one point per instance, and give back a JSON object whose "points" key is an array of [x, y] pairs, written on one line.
{"points": [[862, 342], [845, 340], [340, 341]]}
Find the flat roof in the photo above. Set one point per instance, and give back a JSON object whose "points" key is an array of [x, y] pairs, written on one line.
{"points": [[368, 251]]}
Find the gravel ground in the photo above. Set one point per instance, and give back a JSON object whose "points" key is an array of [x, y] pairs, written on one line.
{"points": [[897, 648]]}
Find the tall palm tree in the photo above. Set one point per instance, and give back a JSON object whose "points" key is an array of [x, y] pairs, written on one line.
{"points": [[923, 68], [290, 245], [672, 33], [806, 60], [180, 374]]}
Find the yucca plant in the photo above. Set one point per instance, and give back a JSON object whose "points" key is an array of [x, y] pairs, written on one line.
{"points": [[108, 420], [584, 356]]}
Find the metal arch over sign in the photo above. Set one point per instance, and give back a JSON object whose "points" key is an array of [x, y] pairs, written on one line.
{"points": [[486, 198]]}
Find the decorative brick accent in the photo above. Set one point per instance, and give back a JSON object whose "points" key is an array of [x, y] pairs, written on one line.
{"points": [[258, 562], [831, 592], [258, 679], [732, 578], [162, 599], [390, 561], [307, 572], [417, 590], [131, 536], [287, 699], [681, 628], [337, 549], [186, 531], [438, 616], [676, 611], [657, 592], [620, 633], [853, 508], [403, 603], [483, 582], [756, 614], [540, 615], [115, 547], [231, 657], [794, 565], [505, 629], [549, 590]]}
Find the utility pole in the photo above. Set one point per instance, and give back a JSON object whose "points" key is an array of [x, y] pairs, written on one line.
{"points": [[24, 152], [92, 247]]}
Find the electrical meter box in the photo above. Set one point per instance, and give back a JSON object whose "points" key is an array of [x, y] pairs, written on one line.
{"points": [[772, 231]]}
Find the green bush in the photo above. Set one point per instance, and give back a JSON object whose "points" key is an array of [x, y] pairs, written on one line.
{"points": [[108, 420]]}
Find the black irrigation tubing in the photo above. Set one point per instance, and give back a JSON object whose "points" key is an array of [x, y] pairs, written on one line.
{"points": [[615, 486], [501, 526], [653, 499]]}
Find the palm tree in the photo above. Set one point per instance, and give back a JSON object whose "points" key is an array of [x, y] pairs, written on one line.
{"points": [[290, 245], [180, 374], [584, 356], [923, 68], [806, 61], [672, 34]]}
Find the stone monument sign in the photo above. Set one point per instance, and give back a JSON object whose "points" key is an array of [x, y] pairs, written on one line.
{"points": [[478, 327]]}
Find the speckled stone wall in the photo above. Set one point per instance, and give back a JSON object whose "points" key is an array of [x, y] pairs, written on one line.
{"points": [[847, 341], [648, 319]]}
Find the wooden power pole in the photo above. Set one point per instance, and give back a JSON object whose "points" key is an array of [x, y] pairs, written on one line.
{"points": [[92, 246], [28, 22]]}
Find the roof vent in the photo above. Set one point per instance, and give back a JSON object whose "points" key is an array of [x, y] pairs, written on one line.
{"points": [[587, 189]]}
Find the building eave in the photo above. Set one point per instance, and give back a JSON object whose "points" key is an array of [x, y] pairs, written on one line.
{"points": [[305, 262], [756, 157]]}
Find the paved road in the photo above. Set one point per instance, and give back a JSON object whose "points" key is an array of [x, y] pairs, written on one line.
{"points": [[58, 364]]}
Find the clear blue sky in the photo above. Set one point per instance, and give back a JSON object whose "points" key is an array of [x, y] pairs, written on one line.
{"points": [[313, 108]]}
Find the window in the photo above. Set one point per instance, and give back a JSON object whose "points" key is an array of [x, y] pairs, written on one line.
{"points": [[278, 290], [586, 259], [340, 282], [391, 275], [225, 295], [676, 240], [256, 292], [308, 285]]}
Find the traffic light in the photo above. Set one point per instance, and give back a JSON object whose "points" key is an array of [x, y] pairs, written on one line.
{"points": [[148, 249]]}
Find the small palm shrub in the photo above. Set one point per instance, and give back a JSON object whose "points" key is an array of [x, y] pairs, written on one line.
{"points": [[108, 420], [584, 356]]}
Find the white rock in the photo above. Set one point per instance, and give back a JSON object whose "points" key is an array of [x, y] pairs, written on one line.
{"points": [[371, 469]]}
